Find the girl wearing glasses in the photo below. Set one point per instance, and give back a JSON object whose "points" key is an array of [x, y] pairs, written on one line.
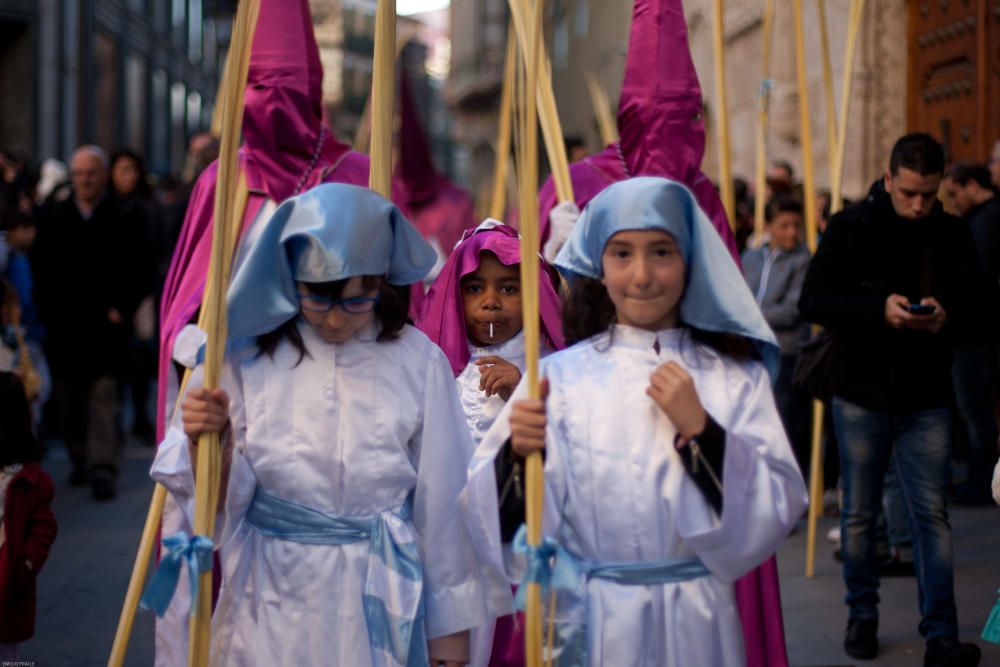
{"points": [[345, 449], [668, 473]]}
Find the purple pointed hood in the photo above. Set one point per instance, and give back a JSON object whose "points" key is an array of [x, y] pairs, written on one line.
{"points": [[436, 206], [283, 117], [416, 180], [661, 96]]}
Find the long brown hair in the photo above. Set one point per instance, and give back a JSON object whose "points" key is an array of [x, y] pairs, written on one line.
{"points": [[390, 311], [588, 311]]}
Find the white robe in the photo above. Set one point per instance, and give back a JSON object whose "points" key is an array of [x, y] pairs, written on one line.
{"points": [[351, 431], [616, 492], [482, 410], [480, 413]]}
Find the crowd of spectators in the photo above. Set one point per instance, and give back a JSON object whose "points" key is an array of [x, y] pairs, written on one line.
{"points": [[84, 251]]}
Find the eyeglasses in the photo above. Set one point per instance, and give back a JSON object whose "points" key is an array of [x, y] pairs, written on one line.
{"points": [[356, 305]]}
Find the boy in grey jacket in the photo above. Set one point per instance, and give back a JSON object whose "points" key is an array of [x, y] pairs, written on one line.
{"points": [[775, 273]]}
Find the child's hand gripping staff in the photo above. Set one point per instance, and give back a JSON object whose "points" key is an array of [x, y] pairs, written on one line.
{"points": [[528, 423], [206, 411]]}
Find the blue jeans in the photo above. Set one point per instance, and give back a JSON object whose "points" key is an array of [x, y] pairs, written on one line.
{"points": [[920, 445]]}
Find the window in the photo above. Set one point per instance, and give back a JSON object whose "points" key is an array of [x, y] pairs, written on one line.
{"points": [[135, 106], [160, 136], [194, 30], [106, 130], [193, 112], [178, 106]]}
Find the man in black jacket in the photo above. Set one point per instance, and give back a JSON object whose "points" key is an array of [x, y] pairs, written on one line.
{"points": [[894, 281], [92, 266], [975, 370]]}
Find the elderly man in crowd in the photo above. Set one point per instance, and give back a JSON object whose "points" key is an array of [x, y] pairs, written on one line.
{"points": [[91, 269]]}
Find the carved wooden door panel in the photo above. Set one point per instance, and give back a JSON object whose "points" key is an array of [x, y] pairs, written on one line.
{"points": [[953, 70], [993, 75]]}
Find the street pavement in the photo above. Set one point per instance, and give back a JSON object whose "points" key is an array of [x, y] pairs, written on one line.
{"points": [[83, 584]]}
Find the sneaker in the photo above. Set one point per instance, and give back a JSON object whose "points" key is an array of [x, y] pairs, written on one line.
{"points": [[949, 652], [861, 638]]}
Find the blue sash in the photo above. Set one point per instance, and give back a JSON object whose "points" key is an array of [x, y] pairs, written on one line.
{"points": [[553, 567], [393, 598]]}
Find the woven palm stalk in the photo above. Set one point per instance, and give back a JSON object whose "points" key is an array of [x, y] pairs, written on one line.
{"points": [[836, 201], [548, 115], [498, 198], [383, 90], [227, 218], [602, 109], [725, 154], [763, 109]]}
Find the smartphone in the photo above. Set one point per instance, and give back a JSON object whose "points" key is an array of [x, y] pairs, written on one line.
{"points": [[921, 309]]}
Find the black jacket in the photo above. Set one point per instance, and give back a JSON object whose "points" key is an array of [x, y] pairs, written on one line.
{"points": [[868, 253], [84, 268]]}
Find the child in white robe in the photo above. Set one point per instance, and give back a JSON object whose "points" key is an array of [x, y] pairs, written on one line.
{"points": [[344, 450], [473, 312], [667, 473]]}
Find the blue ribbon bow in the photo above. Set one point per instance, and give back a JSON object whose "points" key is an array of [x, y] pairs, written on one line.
{"points": [[195, 551], [563, 575]]}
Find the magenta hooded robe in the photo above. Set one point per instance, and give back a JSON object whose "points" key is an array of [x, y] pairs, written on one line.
{"points": [[663, 134], [659, 120], [439, 209], [287, 149]]}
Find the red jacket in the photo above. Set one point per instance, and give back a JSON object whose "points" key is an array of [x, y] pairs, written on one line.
{"points": [[30, 529]]}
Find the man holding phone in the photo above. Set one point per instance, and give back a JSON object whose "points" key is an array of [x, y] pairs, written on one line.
{"points": [[894, 281]]}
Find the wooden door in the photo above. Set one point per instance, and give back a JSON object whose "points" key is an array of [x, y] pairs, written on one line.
{"points": [[954, 65]]}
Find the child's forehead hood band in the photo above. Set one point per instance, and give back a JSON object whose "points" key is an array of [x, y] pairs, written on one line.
{"points": [[332, 232], [716, 297]]}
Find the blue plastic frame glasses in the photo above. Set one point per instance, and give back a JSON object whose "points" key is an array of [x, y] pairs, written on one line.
{"points": [[356, 305]]}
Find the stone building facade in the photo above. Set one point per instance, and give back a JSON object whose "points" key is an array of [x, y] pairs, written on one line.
{"points": [[931, 65]]}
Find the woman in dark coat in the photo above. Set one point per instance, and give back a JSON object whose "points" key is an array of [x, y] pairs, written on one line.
{"points": [[27, 525]]}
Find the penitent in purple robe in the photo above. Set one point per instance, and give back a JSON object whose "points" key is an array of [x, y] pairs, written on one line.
{"points": [[440, 210], [663, 134], [659, 120]]}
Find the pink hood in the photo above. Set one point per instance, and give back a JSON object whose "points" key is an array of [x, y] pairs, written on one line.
{"points": [[443, 316], [283, 117]]}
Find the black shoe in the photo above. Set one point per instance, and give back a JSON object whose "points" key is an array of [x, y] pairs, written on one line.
{"points": [[949, 652], [103, 488], [861, 638], [78, 477]]}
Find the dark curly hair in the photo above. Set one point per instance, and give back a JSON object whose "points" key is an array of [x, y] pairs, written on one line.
{"points": [[588, 311], [391, 313]]}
